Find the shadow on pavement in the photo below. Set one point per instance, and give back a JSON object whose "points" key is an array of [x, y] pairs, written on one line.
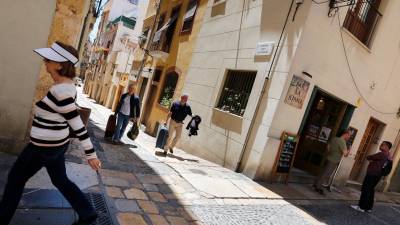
{"points": [[333, 208], [140, 187], [161, 154]]}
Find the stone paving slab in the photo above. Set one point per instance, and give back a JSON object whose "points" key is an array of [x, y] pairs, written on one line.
{"points": [[81, 175], [44, 217], [43, 198], [217, 187]]}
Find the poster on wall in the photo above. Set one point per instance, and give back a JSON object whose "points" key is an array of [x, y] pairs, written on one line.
{"points": [[325, 133], [312, 130], [353, 132], [297, 92]]}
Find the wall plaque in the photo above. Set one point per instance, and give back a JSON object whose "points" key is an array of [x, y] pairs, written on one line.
{"points": [[297, 92]]}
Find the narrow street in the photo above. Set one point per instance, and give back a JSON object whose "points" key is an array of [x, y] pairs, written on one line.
{"points": [[283, 110], [143, 188], [140, 187]]}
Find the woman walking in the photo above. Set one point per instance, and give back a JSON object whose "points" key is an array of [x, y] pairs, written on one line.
{"points": [[49, 138]]}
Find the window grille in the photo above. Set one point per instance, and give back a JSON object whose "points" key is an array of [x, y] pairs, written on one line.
{"points": [[236, 91]]}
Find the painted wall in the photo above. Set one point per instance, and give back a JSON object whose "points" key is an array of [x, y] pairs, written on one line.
{"points": [[217, 46], [66, 27], [20, 65], [320, 53], [121, 7]]}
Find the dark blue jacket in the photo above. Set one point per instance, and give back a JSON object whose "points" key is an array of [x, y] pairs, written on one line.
{"points": [[135, 105]]}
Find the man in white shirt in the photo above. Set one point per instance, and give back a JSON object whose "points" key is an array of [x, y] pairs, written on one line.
{"points": [[128, 108]]}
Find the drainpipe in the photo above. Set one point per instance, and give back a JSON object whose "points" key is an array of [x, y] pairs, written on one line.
{"points": [[263, 90]]}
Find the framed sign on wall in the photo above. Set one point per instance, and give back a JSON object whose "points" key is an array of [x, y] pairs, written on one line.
{"points": [[297, 92]]}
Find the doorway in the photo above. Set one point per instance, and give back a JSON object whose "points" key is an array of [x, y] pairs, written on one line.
{"points": [[369, 142], [326, 117]]}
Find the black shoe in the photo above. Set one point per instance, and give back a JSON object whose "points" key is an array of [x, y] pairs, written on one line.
{"points": [[117, 142], [320, 191], [171, 150], [87, 221]]}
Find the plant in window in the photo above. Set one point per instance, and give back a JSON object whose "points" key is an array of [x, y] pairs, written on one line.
{"points": [[167, 97]]}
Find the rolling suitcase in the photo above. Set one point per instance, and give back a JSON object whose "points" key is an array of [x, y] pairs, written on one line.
{"points": [[162, 137], [110, 128]]}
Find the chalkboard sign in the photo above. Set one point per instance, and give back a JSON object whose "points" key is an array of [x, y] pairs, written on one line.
{"points": [[285, 157]]}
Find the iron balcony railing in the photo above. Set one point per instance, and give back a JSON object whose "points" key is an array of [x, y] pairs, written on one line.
{"points": [[362, 19]]}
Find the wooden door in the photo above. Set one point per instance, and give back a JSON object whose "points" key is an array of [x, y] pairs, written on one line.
{"points": [[365, 145]]}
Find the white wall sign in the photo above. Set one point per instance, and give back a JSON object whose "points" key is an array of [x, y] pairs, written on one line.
{"points": [[297, 92], [264, 48]]}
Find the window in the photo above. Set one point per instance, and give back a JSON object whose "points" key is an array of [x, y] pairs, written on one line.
{"points": [[168, 90], [362, 18], [188, 20], [157, 75], [218, 8], [169, 34], [236, 91], [163, 37]]}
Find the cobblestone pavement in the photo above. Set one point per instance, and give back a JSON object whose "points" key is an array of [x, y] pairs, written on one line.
{"points": [[147, 189], [257, 214], [296, 214]]}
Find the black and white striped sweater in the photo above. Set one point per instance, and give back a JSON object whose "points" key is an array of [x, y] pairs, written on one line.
{"points": [[54, 114]]}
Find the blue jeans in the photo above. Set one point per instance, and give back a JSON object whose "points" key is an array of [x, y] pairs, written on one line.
{"points": [[122, 123], [29, 162]]}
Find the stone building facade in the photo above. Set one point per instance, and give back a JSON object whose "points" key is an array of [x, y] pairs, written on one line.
{"points": [[311, 75]]}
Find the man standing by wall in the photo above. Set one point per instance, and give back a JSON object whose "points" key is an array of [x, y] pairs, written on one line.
{"points": [[128, 108], [374, 175], [336, 150], [177, 114]]}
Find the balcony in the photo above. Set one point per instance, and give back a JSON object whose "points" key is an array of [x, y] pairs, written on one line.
{"points": [[362, 19], [159, 48]]}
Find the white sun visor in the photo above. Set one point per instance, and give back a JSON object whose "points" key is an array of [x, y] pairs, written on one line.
{"points": [[57, 54]]}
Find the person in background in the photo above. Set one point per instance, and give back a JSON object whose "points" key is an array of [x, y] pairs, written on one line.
{"points": [[336, 150], [177, 114], [128, 108], [376, 162], [50, 138]]}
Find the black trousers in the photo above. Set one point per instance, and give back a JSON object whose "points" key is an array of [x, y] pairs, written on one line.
{"points": [[29, 162], [368, 191]]}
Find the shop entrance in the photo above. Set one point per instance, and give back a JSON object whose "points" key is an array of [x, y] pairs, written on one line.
{"points": [[325, 117]]}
